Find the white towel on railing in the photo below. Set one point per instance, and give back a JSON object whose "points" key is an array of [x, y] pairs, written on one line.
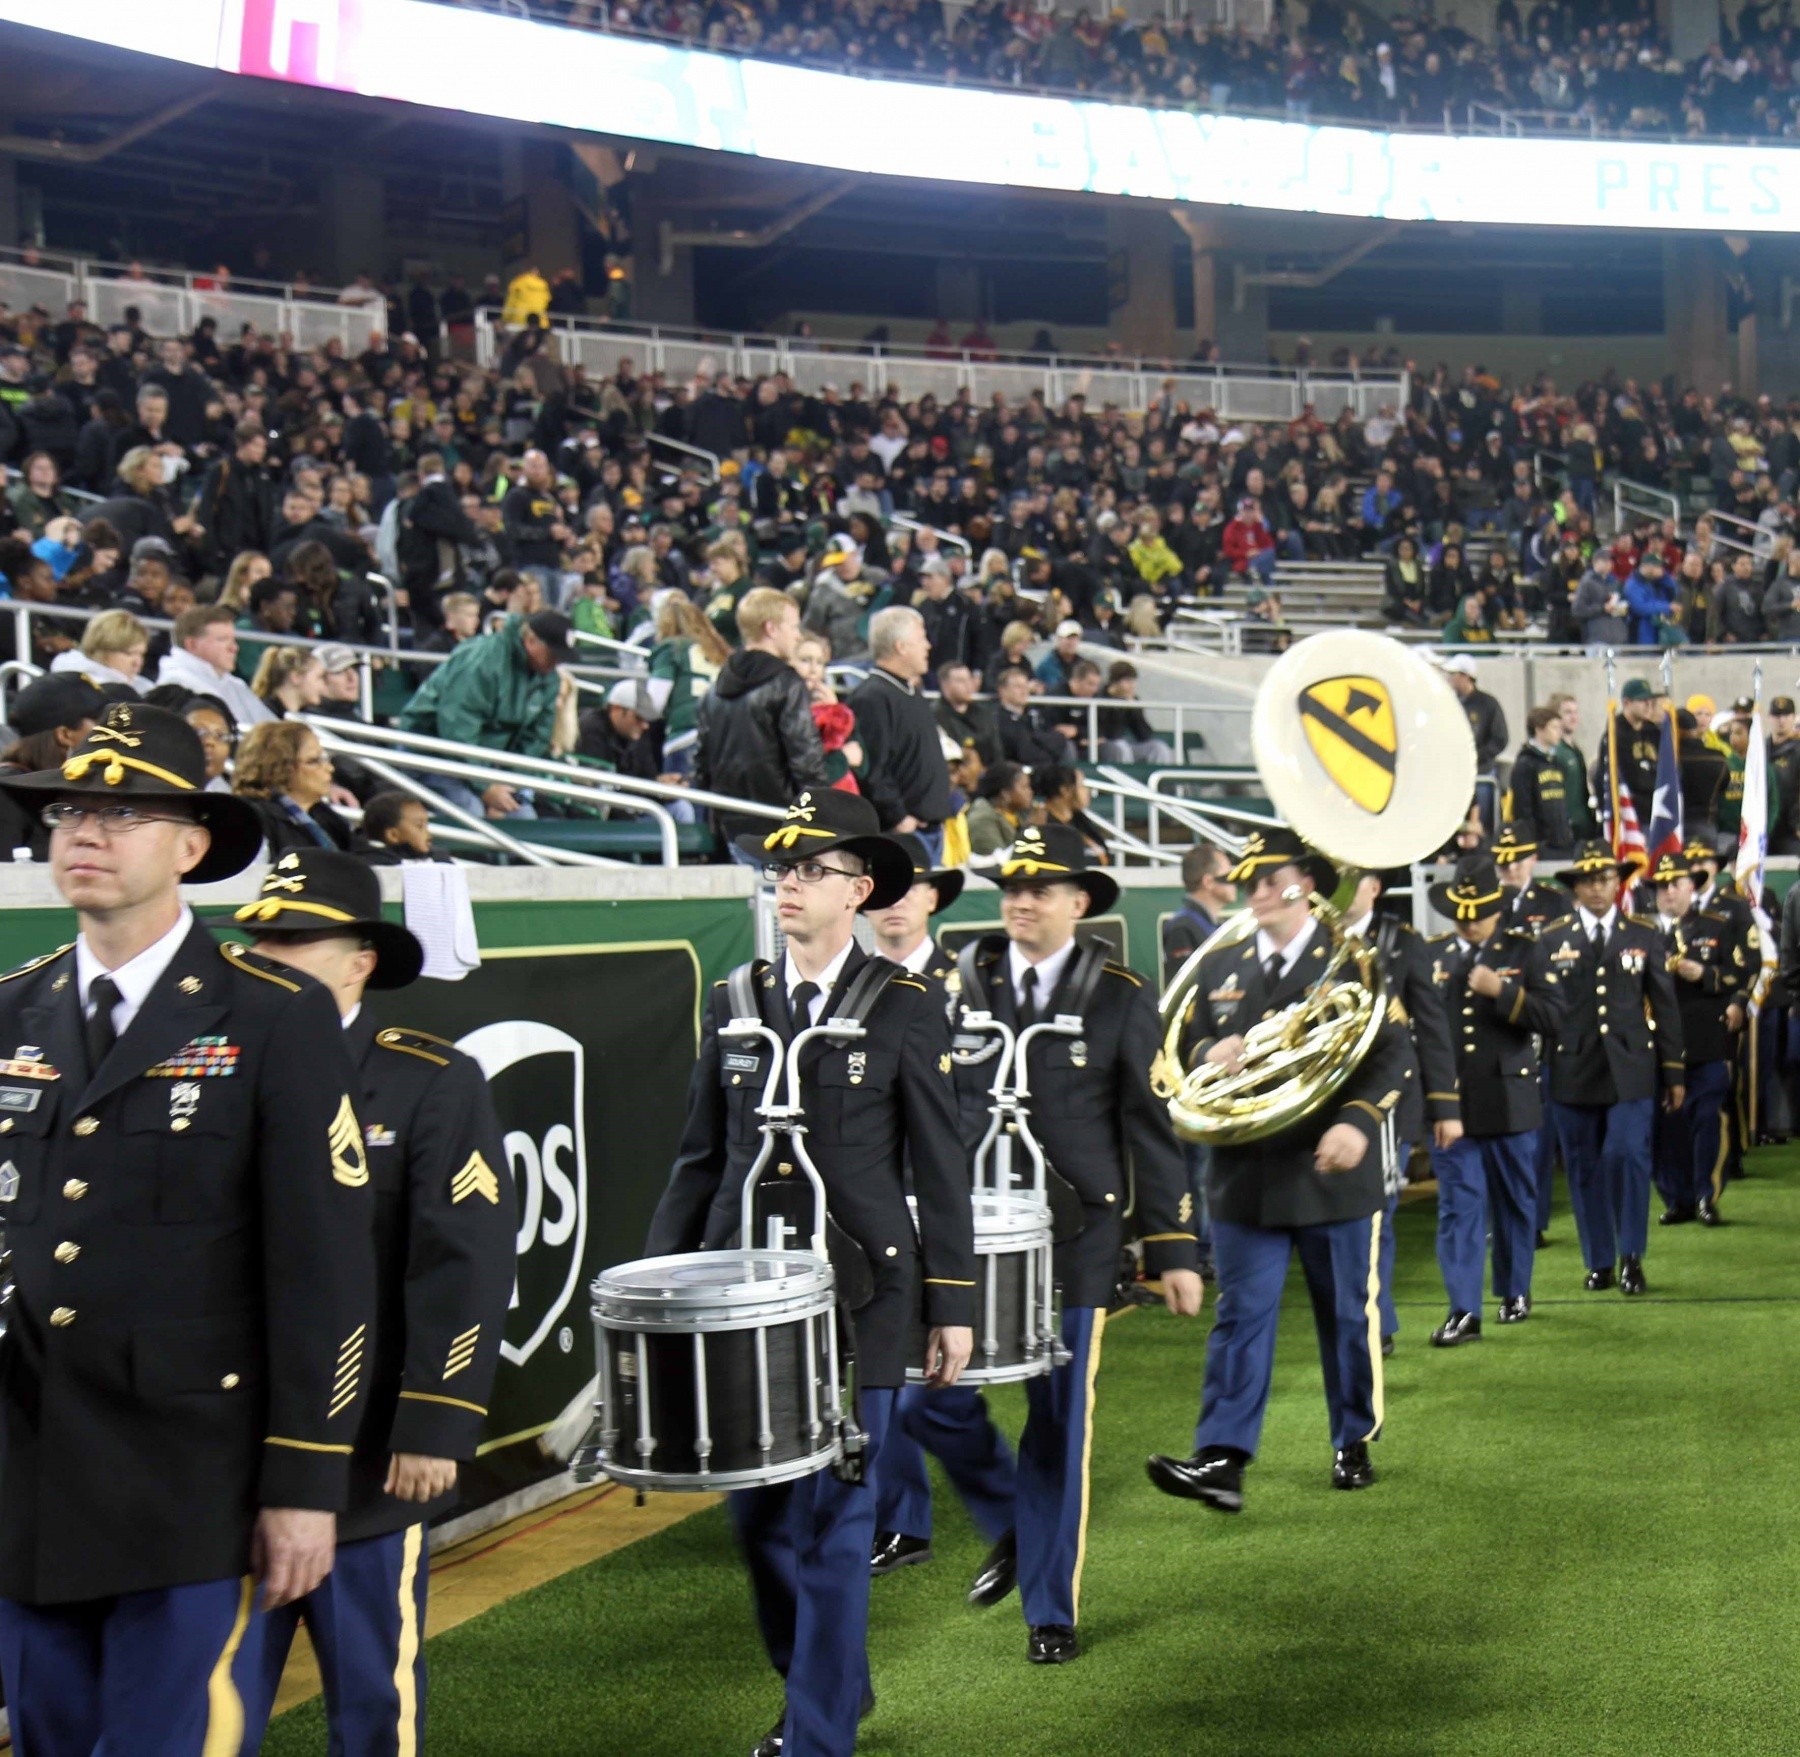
{"points": [[436, 899]]}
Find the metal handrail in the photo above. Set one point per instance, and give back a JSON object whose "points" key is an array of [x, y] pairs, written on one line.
{"points": [[496, 773], [711, 458], [533, 766], [906, 522]]}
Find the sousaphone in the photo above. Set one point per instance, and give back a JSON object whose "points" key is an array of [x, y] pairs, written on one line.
{"points": [[1366, 753]]}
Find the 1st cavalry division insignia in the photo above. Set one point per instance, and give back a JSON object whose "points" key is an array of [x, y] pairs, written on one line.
{"points": [[1349, 723]]}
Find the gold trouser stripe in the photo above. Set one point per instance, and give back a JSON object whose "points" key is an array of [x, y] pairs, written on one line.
{"points": [[224, 1706], [305, 1445], [1718, 1170], [1372, 1307], [406, 1683], [1087, 1458]]}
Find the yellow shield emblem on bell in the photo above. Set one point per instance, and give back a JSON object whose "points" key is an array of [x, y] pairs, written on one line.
{"points": [[1349, 723]]}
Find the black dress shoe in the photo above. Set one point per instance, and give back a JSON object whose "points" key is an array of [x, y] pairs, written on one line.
{"points": [[1631, 1276], [1676, 1214], [1458, 1328], [999, 1573], [1052, 1644], [1515, 1310], [1350, 1467], [1387, 1347], [894, 1549], [773, 1742], [1598, 1280], [1217, 1478], [1543, 1241], [1707, 1213]]}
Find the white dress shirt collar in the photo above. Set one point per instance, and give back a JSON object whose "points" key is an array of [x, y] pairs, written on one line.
{"points": [[137, 976], [827, 979], [918, 958], [1589, 920], [1290, 953], [1049, 974]]}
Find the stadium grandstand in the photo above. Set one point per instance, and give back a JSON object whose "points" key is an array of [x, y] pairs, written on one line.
{"points": [[543, 447]]}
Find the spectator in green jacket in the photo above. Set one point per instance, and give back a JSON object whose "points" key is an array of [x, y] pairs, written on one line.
{"points": [[1583, 822], [498, 691], [689, 652]]}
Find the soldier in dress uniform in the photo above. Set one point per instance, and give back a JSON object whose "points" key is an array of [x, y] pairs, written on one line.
{"points": [[1716, 893], [1318, 1189], [1429, 1098], [1618, 1044], [1531, 905], [185, 1192], [1094, 1114], [445, 1259], [903, 1485], [1502, 1001], [1712, 979], [873, 1106]]}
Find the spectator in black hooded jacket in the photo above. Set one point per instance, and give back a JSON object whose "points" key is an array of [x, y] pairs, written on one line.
{"points": [[757, 739], [237, 499]]}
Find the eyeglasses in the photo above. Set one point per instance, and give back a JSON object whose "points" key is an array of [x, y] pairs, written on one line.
{"points": [[212, 737], [808, 872], [315, 761], [114, 820]]}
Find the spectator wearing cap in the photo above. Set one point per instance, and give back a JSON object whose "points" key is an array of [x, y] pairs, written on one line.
{"points": [[1126, 735], [904, 775], [1053, 669], [1639, 743], [1650, 596], [1781, 602], [1784, 769], [842, 600], [1487, 719], [498, 691], [112, 651], [624, 733], [951, 621], [202, 659], [48, 718], [1705, 711]]}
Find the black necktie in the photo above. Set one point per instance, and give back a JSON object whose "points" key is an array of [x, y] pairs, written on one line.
{"points": [[1598, 938], [1272, 968], [800, 1004], [1028, 1008], [103, 996]]}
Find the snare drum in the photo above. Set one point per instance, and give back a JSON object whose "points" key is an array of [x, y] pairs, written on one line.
{"points": [[1016, 1329], [718, 1370]]}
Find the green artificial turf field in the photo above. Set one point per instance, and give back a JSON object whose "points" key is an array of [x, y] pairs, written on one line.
{"points": [[1584, 1540]]}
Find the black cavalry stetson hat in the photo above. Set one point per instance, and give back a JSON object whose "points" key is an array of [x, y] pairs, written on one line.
{"points": [[1473, 893], [1670, 868], [1594, 857], [947, 879], [1049, 854], [136, 752], [825, 819], [1268, 849], [1517, 841], [318, 890]]}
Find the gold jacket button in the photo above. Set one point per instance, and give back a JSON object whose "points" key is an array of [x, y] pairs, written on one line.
{"points": [[63, 1317], [74, 1189], [67, 1251], [6, 1125], [1111, 1197], [86, 1125], [229, 1382], [785, 1170], [178, 1123], [893, 1250]]}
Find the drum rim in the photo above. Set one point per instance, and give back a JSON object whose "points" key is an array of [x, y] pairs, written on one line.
{"points": [[721, 1481], [795, 1293]]}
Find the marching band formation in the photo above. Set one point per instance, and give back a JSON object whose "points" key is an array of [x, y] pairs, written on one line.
{"points": [[906, 1173]]}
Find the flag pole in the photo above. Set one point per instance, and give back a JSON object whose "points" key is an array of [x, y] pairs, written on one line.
{"points": [[1612, 751]]}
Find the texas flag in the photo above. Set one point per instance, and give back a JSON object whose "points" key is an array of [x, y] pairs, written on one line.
{"points": [[1664, 835]]}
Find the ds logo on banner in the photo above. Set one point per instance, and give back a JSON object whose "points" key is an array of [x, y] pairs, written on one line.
{"points": [[538, 1078]]}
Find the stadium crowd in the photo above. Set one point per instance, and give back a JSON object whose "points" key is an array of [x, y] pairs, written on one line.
{"points": [[1605, 69], [250, 493]]}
